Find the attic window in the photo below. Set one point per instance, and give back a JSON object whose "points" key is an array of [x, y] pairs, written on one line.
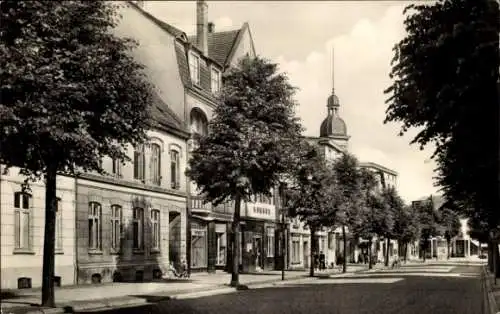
{"points": [[215, 79], [194, 68]]}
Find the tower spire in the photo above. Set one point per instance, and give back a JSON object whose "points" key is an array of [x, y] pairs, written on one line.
{"points": [[333, 70]]}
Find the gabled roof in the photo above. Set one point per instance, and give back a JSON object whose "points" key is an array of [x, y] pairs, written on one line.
{"points": [[221, 44]]}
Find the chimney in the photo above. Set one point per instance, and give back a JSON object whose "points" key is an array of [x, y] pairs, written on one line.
{"points": [[202, 26], [211, 27]]}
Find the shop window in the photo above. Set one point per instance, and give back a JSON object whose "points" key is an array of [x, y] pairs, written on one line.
{"points": [[221, 249], [96, 278], [270, 242]]}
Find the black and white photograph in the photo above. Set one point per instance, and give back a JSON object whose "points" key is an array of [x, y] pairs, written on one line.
{"points": [[250, 157]]}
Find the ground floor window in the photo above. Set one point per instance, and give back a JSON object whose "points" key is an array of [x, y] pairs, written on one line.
{"points": [[270, 242], [221, 248], [295, 251], [198, 248]]}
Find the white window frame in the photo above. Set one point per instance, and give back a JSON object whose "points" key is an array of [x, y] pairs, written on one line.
{"points": [[138, 218], [155, 230], [194, 68], [215, 79], [140, 163], [59, 227], [175, 178], [270, 241], [155, 164], [116, 227], [95, 233], [22, 221]]}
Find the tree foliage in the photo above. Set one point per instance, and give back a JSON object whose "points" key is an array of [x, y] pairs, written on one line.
{"points": [[71, 94], [247, 148], [71, 91], [450, 224], [312, 195], [446, 84]]}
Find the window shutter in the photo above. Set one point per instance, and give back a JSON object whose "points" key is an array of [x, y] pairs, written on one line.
{"points": [[136, 166], [178, 172]]}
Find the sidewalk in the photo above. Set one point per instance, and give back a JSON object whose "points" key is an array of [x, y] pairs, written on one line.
{"points": [[110, 295], [491, 292]]}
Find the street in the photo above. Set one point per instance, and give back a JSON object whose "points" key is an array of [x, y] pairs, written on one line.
{"points": [[428, 289]]}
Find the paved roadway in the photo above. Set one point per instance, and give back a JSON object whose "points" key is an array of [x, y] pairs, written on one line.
{"points": [[410, 290]]}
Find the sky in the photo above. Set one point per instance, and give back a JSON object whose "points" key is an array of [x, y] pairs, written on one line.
{"points": [[299, 36]]}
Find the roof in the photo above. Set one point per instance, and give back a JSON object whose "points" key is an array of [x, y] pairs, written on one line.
{"points": [[165, 26], [378, 167], [332, 126], [164, 118], [220, 44]]}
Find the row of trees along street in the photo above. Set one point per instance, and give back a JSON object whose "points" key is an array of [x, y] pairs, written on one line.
{"points": [[60, 114], [446, 84]]}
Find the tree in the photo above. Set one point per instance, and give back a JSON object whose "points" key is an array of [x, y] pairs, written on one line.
{"points": [[394, 205], [247, 149], [370, 205], [450, 224], [312, 195], [348, 183], [71, 94], [446, 83], [429, 223], [406, 228]]}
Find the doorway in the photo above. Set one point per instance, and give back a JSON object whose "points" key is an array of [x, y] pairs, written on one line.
{"points": [[258, 253]]}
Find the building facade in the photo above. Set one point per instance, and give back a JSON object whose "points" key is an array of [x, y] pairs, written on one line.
{"points": [[132, 223], [22, 224]]}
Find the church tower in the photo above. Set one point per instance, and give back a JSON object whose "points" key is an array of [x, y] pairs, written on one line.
{"points": [[334, 127]]}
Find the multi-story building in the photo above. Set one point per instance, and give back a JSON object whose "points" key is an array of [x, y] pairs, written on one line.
{"points": [[22, 224], [131, 224]]}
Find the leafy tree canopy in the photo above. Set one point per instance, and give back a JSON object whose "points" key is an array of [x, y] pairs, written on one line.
{"points": [[248, 146], [446, 84], [71, 91], [313, 195], [450, 223]]}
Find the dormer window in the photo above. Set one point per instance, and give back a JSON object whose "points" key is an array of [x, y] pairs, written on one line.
{"points": [[194, 68], [216, 80]]}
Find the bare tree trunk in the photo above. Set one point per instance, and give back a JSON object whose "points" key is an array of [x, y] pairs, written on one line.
{"points": [[370, 257], [406, 252], [490, 255], [344, 236], [48, 298], [312, 248], [388, 242], [236, 243]]}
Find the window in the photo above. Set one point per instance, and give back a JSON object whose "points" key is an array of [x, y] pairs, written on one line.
{"points": [[116, 227], [22, 226], [94, 226], [215, 80], [295, 251], [155, 165], [270, 242], [174, 169], [155, 229], [221, 248], [194, 68], [139, 163], [331, 242], [199, 124], [59, 226], [117, 167], [138, 228]]}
